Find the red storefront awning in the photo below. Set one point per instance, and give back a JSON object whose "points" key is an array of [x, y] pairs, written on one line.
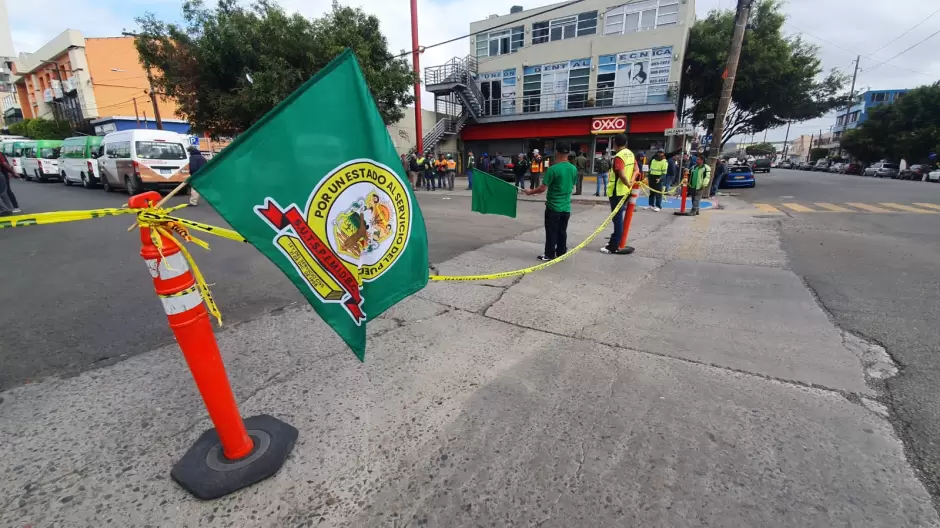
{"points": [[652, 122]]}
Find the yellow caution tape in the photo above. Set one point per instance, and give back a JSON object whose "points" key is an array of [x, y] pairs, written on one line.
{"points": [[59, 217], [516, 273]]}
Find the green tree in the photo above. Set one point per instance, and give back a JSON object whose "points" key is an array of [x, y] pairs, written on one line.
{"points": [[20, 128], [909, 129], [760, 149], [778, 79], [42, 129], [228, 66], [818, 153]]}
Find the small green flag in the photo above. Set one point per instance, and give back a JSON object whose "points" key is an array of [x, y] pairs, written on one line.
{"points": [[316, 186], [492, 195]]}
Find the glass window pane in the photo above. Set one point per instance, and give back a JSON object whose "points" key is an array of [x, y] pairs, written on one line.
{"points": [[648, 20], [494, 47], [556, 33], [570, 31], [667, 19], [671, 8], [539, 32], [631, 23], [613, 25]]}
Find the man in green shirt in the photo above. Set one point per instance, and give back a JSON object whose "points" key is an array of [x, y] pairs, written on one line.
{"points": [[558, 181], [698, 182]]}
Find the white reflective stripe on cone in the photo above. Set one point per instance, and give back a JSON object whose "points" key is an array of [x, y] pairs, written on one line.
{"points": [[181, 303], [171, 267]]}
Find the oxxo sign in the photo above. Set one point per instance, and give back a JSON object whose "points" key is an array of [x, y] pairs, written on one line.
{"points": [[609, 125]]}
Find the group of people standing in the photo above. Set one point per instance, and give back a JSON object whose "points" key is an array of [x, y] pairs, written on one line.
{"points": [[430, 173], [617, 173]]}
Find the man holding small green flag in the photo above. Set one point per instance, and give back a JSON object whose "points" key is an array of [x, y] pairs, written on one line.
{"points": [[317, 186], [492, 195]]}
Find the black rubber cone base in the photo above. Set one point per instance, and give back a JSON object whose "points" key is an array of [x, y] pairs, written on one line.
{"points": [[206, 473], [626, 250], [677, 213]]}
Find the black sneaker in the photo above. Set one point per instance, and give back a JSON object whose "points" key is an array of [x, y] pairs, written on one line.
{"points": [[543, 258]]}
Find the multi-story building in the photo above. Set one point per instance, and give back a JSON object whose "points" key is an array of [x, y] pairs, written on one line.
{"points": [[9, 102], [97, 84], [858, 113], [576, 73]]}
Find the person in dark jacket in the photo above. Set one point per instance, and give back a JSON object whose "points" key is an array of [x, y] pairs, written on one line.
{"points": [[7, 200], [520, 168], [196, 162]]}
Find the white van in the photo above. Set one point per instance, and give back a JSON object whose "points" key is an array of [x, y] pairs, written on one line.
{"points": [[77, 162], [138, 160], [42, 159], [15, 151]]}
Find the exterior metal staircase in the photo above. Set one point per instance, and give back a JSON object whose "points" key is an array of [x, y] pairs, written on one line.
{"points": [[458, 98]]}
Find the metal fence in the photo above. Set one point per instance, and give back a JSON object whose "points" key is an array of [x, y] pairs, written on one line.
{"points": [[613, 97]]}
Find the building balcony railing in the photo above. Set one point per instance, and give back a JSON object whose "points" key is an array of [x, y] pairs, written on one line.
{"points": [[613, 98], [453, 71]]}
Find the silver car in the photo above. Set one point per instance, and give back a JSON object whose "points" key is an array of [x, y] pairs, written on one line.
{"points": [[883, 169]]}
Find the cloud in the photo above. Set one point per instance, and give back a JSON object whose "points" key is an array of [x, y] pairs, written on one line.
{"points": [[848, 30]]}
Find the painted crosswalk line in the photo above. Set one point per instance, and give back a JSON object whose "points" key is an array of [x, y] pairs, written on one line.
{"points": [[798, 208], [907, 208], [833, 207], [869, 208], [767, 208]]}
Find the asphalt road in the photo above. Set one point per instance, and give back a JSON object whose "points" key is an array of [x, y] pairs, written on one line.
{"points": [[77, 296], [878, 275]]}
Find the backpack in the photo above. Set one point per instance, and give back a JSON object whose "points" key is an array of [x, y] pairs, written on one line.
{"points": [[602, 165]]}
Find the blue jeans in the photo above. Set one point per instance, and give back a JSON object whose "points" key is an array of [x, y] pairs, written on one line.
{"points": [[469, 179], [601, 177], [428, 180], [614, 243], [717, 183]]}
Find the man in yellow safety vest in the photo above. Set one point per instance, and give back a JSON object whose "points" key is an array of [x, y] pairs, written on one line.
{"points": [[698, 182], [622, 175], [658, 168]]}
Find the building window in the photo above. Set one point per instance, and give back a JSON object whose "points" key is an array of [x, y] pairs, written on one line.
{"points": [[565, 28], [531, 89], [878, 97], [667, 15], [839, 120], [578, 78], [500, 42], [640, 16]]}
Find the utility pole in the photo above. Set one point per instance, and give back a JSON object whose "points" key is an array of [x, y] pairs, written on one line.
{"points": [[419, 131], [153, 99], [786, 143], [809, 151], [731, 69], [848, 105], [136, 113]]}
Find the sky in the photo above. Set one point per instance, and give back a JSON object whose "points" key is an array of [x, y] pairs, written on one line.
{"points": [[880, 32]]}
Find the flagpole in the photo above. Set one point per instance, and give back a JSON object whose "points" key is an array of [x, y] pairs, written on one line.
{"points": [[419, 131]]}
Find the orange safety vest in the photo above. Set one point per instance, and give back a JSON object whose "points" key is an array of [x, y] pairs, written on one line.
{"points": [[451, 164], [536, 166]]}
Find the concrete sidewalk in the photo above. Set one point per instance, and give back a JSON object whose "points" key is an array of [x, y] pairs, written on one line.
{"points": [[694, 383]]}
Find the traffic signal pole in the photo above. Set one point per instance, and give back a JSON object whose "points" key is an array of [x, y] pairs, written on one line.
{"points": [[731, 69]]}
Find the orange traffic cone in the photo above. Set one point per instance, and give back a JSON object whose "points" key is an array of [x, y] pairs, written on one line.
{"points": [[235, 453]]}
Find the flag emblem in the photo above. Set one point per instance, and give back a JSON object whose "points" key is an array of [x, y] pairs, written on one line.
{"points": [[354, 227]]}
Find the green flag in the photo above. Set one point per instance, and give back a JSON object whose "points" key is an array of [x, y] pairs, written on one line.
{"points": [[492, 195], [317, 187]]}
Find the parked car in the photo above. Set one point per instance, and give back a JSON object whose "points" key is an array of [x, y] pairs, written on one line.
{"points": [[934, 176], [77, 163], [42, 160], [739, 176], [805, 165], [137, 160], [914, 172], [836, 167], [787, 164], [761, 165], [851, 168], [821, 165], [882, 169]]}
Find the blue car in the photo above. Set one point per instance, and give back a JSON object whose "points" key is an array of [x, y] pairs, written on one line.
{"points": [[739, 176]]}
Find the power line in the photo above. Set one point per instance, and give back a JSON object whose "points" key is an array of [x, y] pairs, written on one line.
{"points": [[918, 43], [856, 52], [505, 24], [915, 26]]}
